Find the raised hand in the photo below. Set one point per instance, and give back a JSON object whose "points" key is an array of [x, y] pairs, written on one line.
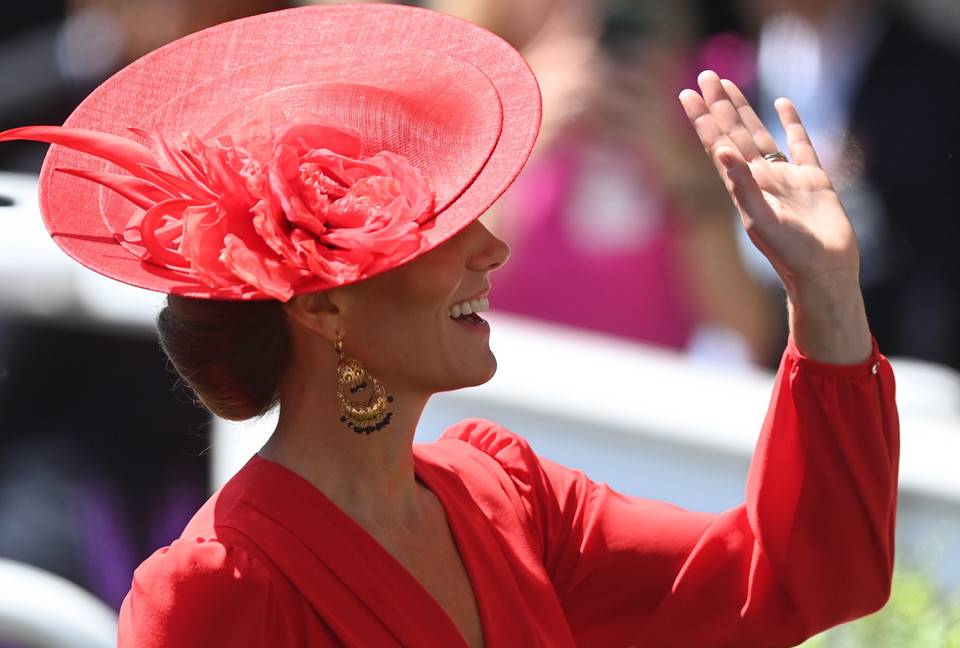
{"points": [[791, 213]]}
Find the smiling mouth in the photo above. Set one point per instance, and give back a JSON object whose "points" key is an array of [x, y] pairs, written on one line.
{"points": [[467, 311]]}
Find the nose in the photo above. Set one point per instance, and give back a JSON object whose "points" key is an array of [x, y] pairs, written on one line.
{"points": [[488, 251]]}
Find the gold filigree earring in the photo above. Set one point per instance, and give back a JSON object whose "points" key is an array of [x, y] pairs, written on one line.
{"points": [[364, 416]]}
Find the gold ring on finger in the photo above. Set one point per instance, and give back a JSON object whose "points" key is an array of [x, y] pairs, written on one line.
{"points": [[776, 156]]}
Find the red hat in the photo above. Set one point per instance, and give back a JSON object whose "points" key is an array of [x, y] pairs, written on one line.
{"points": [[289, 152]]}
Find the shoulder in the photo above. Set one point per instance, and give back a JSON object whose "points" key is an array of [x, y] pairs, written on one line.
{"points": [[491, 439], [180, 589], [212, 572], [201, 564], [481, 445], [488, 456]]}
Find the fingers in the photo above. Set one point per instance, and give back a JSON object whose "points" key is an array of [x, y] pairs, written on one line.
{"points": [[723, 124], [743, 187], [699, 115], [762, 139], [801, 149], [726, 115], [722, 116]]}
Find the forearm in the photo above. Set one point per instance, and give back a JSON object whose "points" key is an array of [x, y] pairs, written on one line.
{"points": [[828, 320]]}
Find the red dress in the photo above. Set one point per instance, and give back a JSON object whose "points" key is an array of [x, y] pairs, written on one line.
{"points": [[555, 559]]}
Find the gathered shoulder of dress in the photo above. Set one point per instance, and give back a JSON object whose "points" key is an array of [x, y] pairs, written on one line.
{"points": [[554, 558]]}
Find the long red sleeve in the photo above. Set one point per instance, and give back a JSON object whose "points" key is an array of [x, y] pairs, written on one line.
{"points": [[811, 547]]}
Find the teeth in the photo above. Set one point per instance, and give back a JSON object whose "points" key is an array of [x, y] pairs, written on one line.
{"points": [[468, 307]]}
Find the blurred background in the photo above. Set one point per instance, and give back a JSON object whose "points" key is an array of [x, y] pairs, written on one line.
{"points": [[625, 248]]}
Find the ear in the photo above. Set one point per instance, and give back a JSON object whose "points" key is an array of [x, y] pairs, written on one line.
{"points": [[316, 312]]}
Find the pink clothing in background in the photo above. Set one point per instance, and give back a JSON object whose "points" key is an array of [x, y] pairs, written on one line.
{"points": [[594, 244]]}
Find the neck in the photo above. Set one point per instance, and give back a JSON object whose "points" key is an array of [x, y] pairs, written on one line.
{"points": [[368, 476]]}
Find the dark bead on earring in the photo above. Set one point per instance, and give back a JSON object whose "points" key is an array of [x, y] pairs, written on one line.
{"points": [[366, 416]]}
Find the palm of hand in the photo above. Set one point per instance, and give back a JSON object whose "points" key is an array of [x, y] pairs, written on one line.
{"points": [[798, 222]]}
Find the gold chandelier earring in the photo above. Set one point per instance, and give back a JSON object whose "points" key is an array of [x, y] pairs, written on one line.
{"points": [[363, 416]]}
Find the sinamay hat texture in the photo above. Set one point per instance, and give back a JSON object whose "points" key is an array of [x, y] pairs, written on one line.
{"points": [[289, 152]]}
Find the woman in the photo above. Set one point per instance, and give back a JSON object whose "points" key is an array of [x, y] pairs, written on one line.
{"points": [[316, 231]]}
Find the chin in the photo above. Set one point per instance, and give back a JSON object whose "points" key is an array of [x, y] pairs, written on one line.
{"points": [[491, 372], [477, 378], [488, 377]]}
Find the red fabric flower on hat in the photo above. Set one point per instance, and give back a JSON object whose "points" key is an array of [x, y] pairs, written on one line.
{"points": [[328, 210], [261, 216]]}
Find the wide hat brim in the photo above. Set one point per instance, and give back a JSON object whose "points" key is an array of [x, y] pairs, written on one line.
{"points": [[459, 102]]}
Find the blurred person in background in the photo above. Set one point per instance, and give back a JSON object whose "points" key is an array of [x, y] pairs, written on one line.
{"points": [[618, 205], [33, 85], [54, 52], [90, 479], [880, 97]]}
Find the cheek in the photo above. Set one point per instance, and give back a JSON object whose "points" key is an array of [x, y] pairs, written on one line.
{"points": [[421, 300], [406, 305], [401, 314], [420, 289]]}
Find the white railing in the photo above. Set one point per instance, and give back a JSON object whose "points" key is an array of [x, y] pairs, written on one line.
{"points": [[41, 610]]}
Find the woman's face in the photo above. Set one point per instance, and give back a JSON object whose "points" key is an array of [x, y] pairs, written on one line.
{"points": [[404, 326]]}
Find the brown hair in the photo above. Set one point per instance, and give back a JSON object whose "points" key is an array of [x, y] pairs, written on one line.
{"points": [[231, 353]]}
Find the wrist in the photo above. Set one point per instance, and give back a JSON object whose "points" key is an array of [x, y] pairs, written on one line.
{"points": [[828, 320]]}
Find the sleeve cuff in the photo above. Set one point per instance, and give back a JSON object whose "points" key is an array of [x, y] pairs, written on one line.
{"points": [[867, 367]]}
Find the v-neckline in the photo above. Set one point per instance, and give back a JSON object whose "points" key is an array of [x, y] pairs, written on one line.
{"points": [[361, 590], [504, 616], [349, 552], [441, 489]]}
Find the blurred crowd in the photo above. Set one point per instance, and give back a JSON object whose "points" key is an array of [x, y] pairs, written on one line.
{"points": [[620, 224]]}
